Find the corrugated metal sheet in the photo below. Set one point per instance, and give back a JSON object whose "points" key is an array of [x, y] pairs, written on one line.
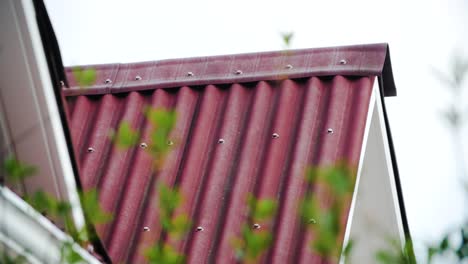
{"points": [[214, 178]]}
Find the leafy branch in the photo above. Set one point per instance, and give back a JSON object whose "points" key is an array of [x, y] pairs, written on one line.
{"points": [[254, 239]]}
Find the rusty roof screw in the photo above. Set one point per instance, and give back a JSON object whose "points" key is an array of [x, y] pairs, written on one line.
{"points": [[138, 78], [146, 229], [143, 145], [170, 143], [275, 135], [199, 228], [330, 131], [289, 66], [239, 72], [312, 221], [107, 81], [190, 74], [220, 141], [256, 226], [343, 62], [90, 150]]}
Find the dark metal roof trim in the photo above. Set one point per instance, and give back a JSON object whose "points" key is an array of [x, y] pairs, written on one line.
{"points": [[357, 60]]}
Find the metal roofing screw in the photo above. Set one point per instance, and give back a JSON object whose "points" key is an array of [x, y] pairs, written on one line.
{"points": [[256, 226], [62, 83], [138, 78], [108, 81], [143, 145], [90, 149], [190, 74], [330, 131], [90, 248], [289, 66], [343, 62], [199, 229], [275, 135], [312, 221], [146, 229], [220, 141], [239, 72], [170, 142]]}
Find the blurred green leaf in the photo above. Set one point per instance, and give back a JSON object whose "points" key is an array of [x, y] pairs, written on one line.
{"points": [[348, 248], [338, 179], [92, 208], [264, 209], [16, 170], [163, 254], [69, 255], [179, 225], [5, 258], [84, 77], [287, 38], [256, 242], [169, 199], [126, 137]]}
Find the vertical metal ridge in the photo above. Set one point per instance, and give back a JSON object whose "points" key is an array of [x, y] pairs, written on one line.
{"points": [[210, 165], [80, 123], [210, 202], [231, 174], [287, 221], [303, 247], [199, 154], [186, 108], [97, 148], [245, 176], [127, 208], [114, 176], [357, 122]]}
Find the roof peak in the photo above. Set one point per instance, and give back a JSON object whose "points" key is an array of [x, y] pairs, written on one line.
{"points": [[355, 60]]}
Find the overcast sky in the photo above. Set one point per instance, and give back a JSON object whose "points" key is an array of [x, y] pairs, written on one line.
{"points": [[421, 34]]}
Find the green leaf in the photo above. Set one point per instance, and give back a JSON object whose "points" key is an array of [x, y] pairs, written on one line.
{"points": [[339, 181], [16, 170], [92, 209], [287, 37], [126, 137], [169, 199], [264, 209], [84, 77], [348, 248], [180, 225], [256, 242], [69, 255]]}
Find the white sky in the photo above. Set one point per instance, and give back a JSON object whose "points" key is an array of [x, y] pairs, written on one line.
{"points": [[421, 34]]}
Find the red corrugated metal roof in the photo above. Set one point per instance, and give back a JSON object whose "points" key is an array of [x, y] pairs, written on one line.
{"points": [[244, 100]]}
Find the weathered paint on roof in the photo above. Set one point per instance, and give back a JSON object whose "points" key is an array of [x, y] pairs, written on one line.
{"points": [[244, 110]]}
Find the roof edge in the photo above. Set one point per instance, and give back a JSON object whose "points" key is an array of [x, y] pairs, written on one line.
{"points": [[355, 60]]}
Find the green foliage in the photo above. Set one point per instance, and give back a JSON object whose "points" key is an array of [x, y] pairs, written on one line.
{"points": [[16, 171], [459, 250], [5, 258], [94, 212], [254, 241], [287, 38], [84, 77], [174, 226], [338, 181], [163, 121], [164, 254], [69, 255], [125, 137], [395, 254], [261, 209], [48, 204]]}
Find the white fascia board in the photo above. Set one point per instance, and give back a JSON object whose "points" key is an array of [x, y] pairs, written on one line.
{"points": [[375, 217], [26, 232], [30, 109]]}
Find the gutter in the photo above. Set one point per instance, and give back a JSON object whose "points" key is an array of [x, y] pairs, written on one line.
{"points": [[38, 240]]}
